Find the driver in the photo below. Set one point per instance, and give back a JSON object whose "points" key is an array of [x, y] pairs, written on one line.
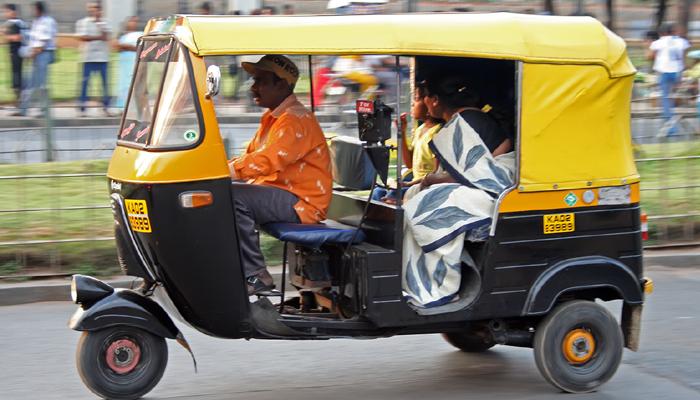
{"points": [[284, 175]]}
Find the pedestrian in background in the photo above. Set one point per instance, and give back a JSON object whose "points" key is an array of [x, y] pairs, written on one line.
{"points": [[42, 46], [15, 31], [668, 53], [127, 58], [204, 9], [94, 32], [288, 9]]}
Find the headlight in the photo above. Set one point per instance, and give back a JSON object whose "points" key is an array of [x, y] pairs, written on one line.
{"points": [[86, 290], [73, 291]]}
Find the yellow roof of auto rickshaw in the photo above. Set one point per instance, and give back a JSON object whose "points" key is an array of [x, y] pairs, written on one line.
{"points": [[530, 38]]}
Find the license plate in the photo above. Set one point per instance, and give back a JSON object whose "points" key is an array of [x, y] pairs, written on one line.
{"points": [[558, 223], [137, 211]]}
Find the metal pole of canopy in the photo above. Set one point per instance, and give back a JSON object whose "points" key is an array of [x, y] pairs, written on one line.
{"points": [[399, 138], [311, 85]]}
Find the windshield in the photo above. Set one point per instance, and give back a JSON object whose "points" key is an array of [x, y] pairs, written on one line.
{"points": [[161, 111]]}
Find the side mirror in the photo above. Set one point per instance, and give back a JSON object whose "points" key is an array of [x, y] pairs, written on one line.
{"points": [[213, 81]]}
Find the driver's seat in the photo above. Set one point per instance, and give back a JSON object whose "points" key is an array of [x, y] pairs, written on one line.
{"points": [[314, 235]]}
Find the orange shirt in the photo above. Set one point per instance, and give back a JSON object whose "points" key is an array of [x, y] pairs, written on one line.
{"points": [[290, 152]]}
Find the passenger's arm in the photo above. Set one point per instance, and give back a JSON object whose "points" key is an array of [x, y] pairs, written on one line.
{"points": [[435, 178], [503, 148], [405, 150], [284, 146]]}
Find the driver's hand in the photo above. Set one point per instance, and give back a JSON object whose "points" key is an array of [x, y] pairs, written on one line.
{"points": [[232, 170]]}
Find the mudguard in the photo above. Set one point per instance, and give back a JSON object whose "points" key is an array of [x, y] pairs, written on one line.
{"points": [[582, 273], [125, 307]]}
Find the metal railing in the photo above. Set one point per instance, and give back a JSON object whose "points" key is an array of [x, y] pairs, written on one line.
{"points": [[55, 215]]}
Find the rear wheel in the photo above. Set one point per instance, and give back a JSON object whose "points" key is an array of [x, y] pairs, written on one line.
{"points": [[578, 346], [470, 342], [121, 362]]}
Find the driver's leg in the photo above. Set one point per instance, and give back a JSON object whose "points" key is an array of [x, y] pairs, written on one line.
{"points": [[258, 205]]}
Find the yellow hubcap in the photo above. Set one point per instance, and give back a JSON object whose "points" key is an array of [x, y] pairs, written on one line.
{"points": [[578, 346]]}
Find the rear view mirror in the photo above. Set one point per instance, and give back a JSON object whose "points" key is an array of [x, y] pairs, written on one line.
{"points": [[213, 81]]}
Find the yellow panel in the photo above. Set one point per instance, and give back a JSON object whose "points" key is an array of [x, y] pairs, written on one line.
{"points": [[575, 128], [206, 161], [532, 38], [553, 200]]}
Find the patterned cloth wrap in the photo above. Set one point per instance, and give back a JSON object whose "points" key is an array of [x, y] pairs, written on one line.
{"points": [[440, 218]]}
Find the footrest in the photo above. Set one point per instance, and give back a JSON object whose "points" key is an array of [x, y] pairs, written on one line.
{"points": [[269, 293]]}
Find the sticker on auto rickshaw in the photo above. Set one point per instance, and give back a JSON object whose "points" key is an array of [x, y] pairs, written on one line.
{"points": [[137, 211], [558, 223]]}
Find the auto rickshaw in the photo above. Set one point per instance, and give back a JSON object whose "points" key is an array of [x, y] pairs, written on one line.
{"points": [[563, 238]]}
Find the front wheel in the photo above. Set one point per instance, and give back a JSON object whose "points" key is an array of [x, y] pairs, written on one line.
{"points": [[121, 362], [578, 346]]}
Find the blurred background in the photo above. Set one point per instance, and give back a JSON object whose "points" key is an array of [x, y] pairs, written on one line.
{"points": [[55, 218]]}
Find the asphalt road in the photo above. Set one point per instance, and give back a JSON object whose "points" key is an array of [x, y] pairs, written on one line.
{"points": [[37, 361]]}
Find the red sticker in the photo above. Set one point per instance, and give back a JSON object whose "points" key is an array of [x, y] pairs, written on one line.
{"points": [[142, 132], [127, 130], [365, 107], [148, 50], [162, 50]]}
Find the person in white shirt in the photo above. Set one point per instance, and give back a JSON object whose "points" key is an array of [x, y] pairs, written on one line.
{"points": [[94, 34], [41, 49], [669, 55]]}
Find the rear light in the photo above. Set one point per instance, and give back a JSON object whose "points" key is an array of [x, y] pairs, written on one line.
{"points": [[645, 226], [196, 199]]}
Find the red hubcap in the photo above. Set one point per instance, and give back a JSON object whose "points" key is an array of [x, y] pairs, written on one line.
{"points": [[123, 356]]}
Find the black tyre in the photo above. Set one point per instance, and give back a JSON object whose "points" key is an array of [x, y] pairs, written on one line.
{"points": [[121, 362], [578, 346], [470, 342]]}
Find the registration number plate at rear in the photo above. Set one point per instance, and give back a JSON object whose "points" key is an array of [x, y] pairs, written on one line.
{"points": [[558, 223], [137, 211]]}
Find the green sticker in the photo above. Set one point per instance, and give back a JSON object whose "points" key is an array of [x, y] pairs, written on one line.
{"points": [[191, 136], [571, 199]]}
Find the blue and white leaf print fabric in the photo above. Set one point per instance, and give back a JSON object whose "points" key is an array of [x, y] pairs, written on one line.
{"points": [[439, 218]]}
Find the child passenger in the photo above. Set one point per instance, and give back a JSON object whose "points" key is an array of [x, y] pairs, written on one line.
{"points": [[417, 156]]}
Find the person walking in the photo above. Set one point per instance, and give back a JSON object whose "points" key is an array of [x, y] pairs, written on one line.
{"points": [[15, 30], [93, 31], [127, 58], [668, 53], [42, 46]]}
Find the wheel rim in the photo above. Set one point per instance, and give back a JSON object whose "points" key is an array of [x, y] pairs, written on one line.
{"points": [[578, 346], [123, 355]]}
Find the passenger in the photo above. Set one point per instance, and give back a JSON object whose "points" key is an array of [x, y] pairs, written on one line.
{"points": [[452, 96], [417, 155], [455, 203], [286, 167]]}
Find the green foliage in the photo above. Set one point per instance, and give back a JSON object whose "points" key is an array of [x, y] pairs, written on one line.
{"points": [[85, 269], [10, 268]]}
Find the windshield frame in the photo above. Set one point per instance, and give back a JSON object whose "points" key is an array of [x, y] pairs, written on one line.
{"points": [[175, 46]]}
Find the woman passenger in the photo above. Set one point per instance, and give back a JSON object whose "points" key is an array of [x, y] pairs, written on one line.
{"points": [[453, 97]]}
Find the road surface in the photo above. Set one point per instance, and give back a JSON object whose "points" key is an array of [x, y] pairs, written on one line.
{"points": [[38, 361]]}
